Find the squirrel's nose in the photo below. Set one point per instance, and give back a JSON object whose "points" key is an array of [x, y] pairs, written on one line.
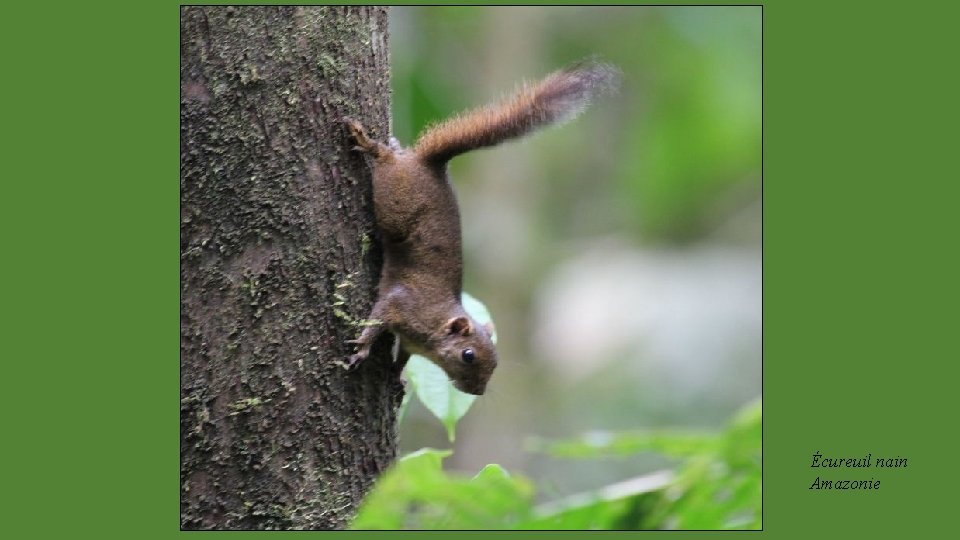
{"points": [[475, 389]]}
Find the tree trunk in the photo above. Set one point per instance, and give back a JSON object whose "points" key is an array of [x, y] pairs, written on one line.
{"points": [[278, 266]]}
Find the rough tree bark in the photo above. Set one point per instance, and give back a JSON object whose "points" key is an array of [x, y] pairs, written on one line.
{"points": [[279, 264]]}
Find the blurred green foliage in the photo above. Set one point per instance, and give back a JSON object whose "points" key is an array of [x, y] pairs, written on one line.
{"points": [[417, 494], [716, 486], [720, 488]]}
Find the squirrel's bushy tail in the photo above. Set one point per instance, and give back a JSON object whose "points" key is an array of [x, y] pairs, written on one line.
{"points": [[560, 96]]}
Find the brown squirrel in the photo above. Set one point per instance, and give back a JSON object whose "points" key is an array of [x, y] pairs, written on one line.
{"points": [[419, 222]]}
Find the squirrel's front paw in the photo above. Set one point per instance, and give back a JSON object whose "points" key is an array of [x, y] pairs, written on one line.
{"points": [[355, 360]]}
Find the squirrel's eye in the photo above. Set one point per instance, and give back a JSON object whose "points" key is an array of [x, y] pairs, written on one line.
{"points": [[468, 355]]}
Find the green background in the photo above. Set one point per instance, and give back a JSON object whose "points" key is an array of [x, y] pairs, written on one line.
{"points": [[859, 242]]}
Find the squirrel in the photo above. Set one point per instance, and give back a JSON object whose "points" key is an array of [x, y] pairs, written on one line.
{"points": [[419, 223]]}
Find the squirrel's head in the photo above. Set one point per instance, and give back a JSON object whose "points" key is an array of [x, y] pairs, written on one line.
{"points": [[465, 351]]}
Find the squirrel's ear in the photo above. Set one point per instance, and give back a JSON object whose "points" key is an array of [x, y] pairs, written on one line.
{"points": [[459, 325]]}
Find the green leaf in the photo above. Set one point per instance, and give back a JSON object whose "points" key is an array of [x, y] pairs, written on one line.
{"points": [[417, 494], [433, 456], [491, 471], [617, 506], [435, 391], [720, 489], [432, 386], [415, 475], [478, 311], [717, 485]]}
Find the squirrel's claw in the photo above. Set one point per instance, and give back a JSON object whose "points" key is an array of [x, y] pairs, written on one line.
{"points": [[355, 360], [364, 142]]}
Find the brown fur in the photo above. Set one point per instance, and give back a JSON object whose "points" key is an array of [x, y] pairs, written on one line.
{"points": [[419, 221], [558, 97]]}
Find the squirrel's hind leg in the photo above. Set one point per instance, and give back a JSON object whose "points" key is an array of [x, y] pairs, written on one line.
{"points": [[364, 142]]}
